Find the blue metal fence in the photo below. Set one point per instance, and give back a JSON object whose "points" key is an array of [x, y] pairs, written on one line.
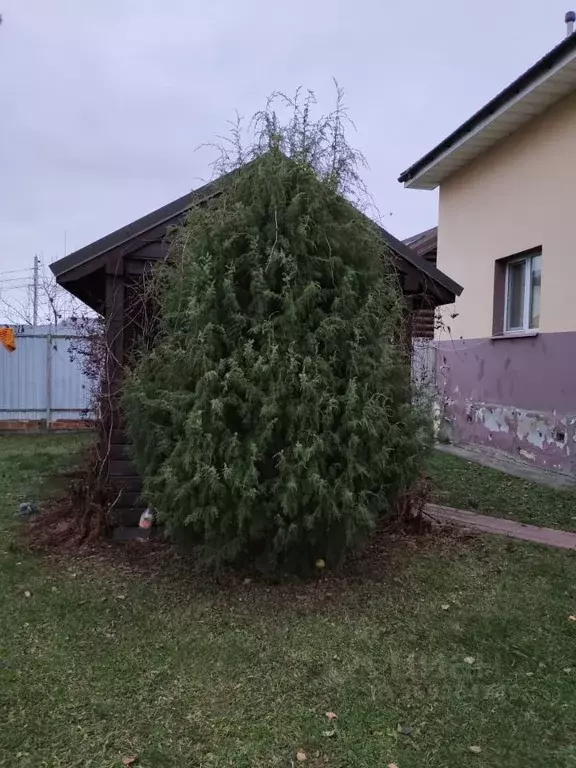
{"points": [[39, 381]]}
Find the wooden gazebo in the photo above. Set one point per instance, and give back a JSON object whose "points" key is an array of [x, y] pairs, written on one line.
{"points": [[105, 274]]}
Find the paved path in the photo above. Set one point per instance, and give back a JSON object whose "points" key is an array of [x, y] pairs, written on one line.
{"points": [[548, 536]]}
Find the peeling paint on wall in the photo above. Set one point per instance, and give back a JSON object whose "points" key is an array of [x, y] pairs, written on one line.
{"points": [[494, 418], [538, 379], [534, 437]]}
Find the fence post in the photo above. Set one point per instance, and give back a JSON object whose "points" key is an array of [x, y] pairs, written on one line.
{"points": [[48, 379]]}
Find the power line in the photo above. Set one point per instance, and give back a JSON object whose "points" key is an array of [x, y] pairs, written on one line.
{"points": [[14, 271], [18, 285], [23, 279]]}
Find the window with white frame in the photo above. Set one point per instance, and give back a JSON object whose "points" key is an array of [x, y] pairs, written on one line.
{"points": [[522, 304]]}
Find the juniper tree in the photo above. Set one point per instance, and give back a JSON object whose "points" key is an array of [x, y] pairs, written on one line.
{"points": [[272, 417]]}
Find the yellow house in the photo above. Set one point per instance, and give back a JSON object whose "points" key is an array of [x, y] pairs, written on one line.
{"points": [[506, 361]]}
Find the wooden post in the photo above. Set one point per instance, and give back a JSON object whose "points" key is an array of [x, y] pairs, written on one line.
{"points": [[112, 384]]}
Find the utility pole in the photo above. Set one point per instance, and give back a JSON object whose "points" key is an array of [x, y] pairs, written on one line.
{"points": [[35, 300]]}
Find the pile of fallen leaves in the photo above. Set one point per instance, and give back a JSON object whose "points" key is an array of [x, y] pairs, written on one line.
{"points": [[78, 514]]}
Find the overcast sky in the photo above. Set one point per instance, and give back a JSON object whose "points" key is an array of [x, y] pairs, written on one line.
{"points": [[102, 104]]}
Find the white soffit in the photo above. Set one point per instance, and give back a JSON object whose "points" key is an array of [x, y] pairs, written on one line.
{"points": [[544, 92]]}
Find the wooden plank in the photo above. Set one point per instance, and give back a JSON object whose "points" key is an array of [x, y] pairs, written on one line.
{"points": [[138, 266], [153, 250], [129, 484], [423, 319], [153, 235], [114, 417], [82, 270], [119, 452], [119, 437], [115, 297], [122, 468], [130, 499], [127, 517]]}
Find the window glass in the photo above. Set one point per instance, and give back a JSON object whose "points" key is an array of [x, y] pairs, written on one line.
{"points": [[535, 283], [516, 289]]}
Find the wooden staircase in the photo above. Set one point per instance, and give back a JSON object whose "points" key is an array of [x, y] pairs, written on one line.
{"points": [[124, 480]]}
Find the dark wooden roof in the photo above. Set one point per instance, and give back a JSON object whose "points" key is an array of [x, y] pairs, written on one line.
{"points": [[424, 243], [409, 255], [123, 241], [126, 235]]}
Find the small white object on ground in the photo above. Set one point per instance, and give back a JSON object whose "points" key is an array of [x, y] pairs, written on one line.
{"points": [[146, 519]]}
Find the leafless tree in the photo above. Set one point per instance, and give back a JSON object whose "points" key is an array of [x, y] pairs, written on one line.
{"points": [[55, 304]]}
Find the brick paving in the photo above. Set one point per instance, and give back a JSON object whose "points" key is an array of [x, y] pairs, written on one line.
{"points": [[497, 525]]}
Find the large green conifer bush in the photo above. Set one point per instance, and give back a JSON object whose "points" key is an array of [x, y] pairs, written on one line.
{"points": [[272, 418]]}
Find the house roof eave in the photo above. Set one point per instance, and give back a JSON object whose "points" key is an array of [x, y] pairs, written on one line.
{"points": [[547, 81]]}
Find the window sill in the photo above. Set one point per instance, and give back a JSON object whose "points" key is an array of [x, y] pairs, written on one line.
{"points": [[515, 335]]}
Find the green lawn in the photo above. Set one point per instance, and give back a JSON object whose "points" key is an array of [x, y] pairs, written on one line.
{"points": [[466, 485], [101, 659]]}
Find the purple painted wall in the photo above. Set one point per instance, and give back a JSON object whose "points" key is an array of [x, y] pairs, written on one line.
{"points": [[514, 394]]}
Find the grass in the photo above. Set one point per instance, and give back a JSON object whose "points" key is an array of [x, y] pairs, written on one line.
{"points": [[105, 659], [466, 485]]}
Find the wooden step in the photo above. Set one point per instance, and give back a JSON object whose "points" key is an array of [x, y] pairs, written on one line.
{"points": [[119, 452], [122, 468], [129, 499], [130, 484], [125, 517], [119, 437]]}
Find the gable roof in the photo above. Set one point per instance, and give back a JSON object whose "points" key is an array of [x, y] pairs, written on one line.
{"points": [[409, 255], [424, 243], [126, 235], [546, 82], [123, 241]]}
